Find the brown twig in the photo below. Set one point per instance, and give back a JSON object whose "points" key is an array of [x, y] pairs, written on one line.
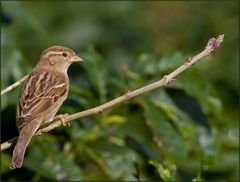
{"points": [[211, 46], [14, 85]]}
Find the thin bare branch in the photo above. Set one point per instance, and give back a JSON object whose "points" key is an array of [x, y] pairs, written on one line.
{"points": [[14, 85], [211, 46]]}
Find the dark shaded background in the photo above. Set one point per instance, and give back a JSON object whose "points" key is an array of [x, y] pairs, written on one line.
{"points": [[188, 130]]}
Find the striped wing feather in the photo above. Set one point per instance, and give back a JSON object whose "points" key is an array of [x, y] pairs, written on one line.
{"points": [[41, 92]]}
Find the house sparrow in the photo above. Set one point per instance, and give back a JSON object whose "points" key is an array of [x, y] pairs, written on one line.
{"points": [[43, 93]]}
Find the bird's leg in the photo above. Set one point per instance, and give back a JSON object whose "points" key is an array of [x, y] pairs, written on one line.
{"points": [[62, 118]]}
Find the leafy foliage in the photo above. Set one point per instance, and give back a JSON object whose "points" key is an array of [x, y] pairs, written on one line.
{"points": [[185, 131]]}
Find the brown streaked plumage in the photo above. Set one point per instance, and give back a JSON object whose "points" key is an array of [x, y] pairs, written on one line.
{"points": [[43, 93]]}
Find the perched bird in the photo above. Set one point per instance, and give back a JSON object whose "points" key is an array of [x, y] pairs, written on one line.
{"points": [[43, 93]]}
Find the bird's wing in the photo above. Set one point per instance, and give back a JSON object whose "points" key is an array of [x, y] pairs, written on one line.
{"points": [[42, 91]]}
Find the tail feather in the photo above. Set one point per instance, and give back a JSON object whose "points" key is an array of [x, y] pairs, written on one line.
{"points": [[25, 136]]}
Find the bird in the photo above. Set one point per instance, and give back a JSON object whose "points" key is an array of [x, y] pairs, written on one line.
{"points": [[44, 91]]}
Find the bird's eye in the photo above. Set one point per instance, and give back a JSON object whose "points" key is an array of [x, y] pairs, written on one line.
{"points": [[64, 54]]}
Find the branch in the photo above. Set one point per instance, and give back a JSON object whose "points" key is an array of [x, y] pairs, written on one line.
{"points": [[212, 45], [14, 85]]}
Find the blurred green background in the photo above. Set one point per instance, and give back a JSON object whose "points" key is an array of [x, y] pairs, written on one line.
{"points": [[186, 131]]}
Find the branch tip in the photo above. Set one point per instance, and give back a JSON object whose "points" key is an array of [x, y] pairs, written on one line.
{"points": [[214, 43], [219, 40]]}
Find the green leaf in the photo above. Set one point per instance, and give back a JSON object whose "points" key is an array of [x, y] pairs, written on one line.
{"points": [[51, 163], [97, 70], [165, 173], [113, 119], [115, 161], [153, 65], [199, 87], [163, 130]]}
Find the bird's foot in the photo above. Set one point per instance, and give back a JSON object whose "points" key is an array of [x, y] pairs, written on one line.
{"points": [[62, 118]]}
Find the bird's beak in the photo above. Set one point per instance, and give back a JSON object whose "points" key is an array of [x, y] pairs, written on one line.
{"points": [[74, 58]]}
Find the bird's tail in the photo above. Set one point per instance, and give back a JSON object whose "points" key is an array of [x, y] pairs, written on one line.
{"points": [[25, 136]]}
